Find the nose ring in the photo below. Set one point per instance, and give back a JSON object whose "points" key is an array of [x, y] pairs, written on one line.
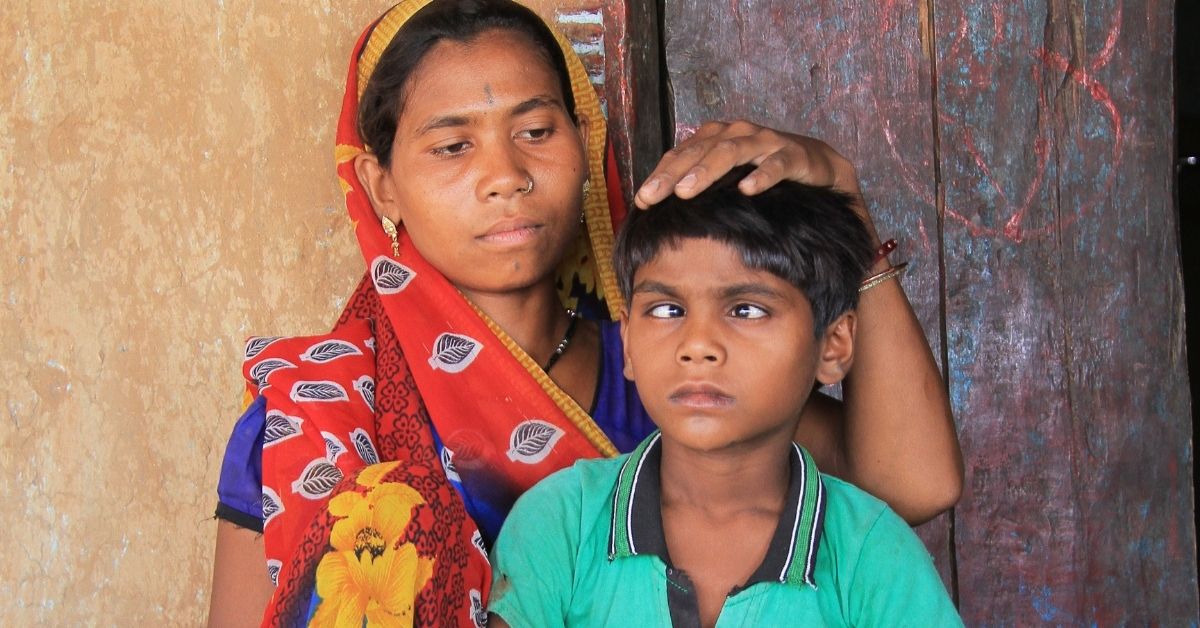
{"points": [[528, 186]]}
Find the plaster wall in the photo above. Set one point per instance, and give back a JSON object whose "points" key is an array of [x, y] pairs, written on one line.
{"points": [[166, 189]]}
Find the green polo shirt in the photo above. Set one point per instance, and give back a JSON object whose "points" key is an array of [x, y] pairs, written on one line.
{"points": [[585, 547]]}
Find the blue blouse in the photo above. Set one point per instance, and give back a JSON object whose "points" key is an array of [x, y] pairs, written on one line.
{"points": [[617, 409]]}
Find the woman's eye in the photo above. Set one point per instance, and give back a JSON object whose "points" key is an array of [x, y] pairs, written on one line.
{"points": [[666, 310], [745, 310], [536, 134], [451, 149]]}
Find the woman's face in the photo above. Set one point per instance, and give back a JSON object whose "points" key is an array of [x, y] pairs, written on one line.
{"points": [[481, 121]]}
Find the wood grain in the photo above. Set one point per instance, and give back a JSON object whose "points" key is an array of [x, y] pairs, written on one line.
{"points": [[1036, 170], [1066, 360], [857, 78]]}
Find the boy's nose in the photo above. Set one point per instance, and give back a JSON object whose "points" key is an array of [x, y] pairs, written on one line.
{"points": [[700, 345]]}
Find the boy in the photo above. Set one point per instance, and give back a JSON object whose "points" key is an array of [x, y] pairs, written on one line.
{"points": [[735, 306]]}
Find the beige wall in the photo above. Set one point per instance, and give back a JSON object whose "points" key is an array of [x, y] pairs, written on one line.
{"points": [[166, 189]]}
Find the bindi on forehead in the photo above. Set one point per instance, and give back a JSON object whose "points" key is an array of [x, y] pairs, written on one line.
{"points": [[487, 91]]}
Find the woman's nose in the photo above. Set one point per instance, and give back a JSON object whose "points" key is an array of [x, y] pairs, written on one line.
{"points": [[504, 174]]}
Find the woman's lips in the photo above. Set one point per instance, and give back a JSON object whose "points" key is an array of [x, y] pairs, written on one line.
{"points": [[700, 396], [511, 232]]}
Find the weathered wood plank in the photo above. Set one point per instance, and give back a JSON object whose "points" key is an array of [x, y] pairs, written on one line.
{"points": [[632, 84], [1064, 313], [618, 42], [854, 74]]}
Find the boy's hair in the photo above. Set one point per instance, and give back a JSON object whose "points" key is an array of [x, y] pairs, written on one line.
{"points": [[808, 236]]}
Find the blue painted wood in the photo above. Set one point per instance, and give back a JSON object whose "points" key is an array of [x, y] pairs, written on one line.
{"points": [[856, 75], [1042, 151]]}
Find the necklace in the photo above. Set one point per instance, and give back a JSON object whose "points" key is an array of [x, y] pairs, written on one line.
{"points": [[562, 344]]}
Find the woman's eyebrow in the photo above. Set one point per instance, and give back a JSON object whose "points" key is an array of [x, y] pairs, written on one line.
{"points": [[457, 120], [442, 122], [537, 102]]}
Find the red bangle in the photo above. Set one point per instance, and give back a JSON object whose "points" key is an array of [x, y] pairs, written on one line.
{"points": [[883, 251]]}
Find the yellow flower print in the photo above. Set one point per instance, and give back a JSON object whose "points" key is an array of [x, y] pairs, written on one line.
{"points": [[380, 588], [373, 475], [372, 520], [367, 574]]}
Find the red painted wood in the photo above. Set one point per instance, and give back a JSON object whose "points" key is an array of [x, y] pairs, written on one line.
{"points": [[853, 74], [1064, 313], [1045, 146], [618, 43]]}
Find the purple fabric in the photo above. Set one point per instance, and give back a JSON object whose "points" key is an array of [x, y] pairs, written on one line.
{"points": [[618, 411], [239, 488]]}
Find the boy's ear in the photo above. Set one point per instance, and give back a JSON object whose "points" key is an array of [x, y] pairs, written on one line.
{"points": [[624, 320], [377, 181], [835, 353]]}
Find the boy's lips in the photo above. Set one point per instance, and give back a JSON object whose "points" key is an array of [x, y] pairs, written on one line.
{"points": [[700, 395]]}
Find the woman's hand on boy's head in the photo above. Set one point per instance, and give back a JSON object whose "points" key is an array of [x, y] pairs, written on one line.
{"points": [[718, 147]]}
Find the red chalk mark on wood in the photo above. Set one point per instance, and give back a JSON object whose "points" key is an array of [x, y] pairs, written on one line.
{"points": [[1013, 228]]}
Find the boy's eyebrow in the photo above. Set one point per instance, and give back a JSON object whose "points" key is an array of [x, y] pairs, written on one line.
{"points": [[749, 290], [454, 120], [656, 287]]}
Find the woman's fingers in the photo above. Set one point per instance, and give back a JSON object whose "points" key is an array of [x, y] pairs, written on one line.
{"points": [[676, 164], [718, 147]]}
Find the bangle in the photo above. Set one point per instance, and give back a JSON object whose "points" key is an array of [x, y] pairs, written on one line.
{"points": [[883, 251], [878, 278]]}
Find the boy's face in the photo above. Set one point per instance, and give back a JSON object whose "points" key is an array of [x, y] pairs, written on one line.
{"points": [[724, 355]]}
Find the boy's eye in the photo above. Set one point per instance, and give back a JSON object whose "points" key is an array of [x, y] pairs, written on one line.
{"points": [[666, 310], [746, 310]]}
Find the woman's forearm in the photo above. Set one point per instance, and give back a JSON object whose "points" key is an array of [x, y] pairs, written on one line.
{"points": [[899, 437], [241, 587]]}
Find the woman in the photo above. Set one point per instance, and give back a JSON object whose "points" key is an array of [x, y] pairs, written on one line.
{"points": [[471, 149]]}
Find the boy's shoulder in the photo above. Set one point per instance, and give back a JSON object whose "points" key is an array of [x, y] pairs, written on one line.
{"points": [[854, 516], [850, 501], [591, 480]]}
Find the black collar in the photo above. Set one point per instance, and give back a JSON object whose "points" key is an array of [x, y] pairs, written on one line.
{"points": [[637, 516]]}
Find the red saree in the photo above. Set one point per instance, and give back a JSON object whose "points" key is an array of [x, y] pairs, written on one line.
{"points": [[360, 519]]}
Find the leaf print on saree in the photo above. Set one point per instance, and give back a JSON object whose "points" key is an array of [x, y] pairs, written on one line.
{"points": [[454, 352], [273, 567], [280, 427], [329, 351], [365, 386], [318, 391], [447, 457], [478, 615], [532, 441], [261, 371], [254, 346], [333, 446], [317, 479], [364, 447], [271, 505], [390, 276]]}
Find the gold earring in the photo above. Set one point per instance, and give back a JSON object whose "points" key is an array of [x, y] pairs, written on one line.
{"points": [[587, 188], [389, 228]]}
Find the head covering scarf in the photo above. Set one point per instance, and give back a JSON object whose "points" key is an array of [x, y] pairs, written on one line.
{"points": [[415, 392]]}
